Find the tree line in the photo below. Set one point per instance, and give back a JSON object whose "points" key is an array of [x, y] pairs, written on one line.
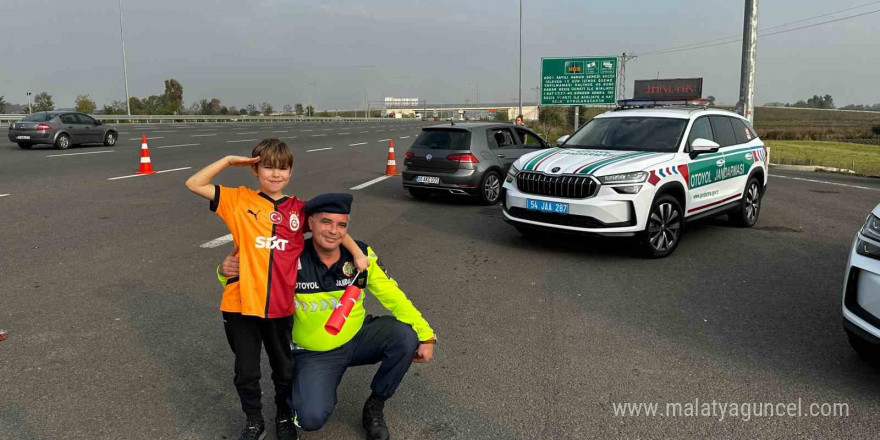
{"points": [[170, 102]]}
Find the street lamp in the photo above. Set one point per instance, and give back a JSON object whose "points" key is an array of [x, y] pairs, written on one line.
{"points": [[124, 65], [366, 103], [520, 57]]}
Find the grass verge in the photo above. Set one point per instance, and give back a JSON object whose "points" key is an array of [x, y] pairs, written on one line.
{"points": [[861, 158]]}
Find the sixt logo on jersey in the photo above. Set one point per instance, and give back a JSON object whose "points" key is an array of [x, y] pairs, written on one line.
{"points": [[271, 243]]}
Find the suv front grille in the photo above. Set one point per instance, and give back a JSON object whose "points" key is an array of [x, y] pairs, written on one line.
{"points": [[573, 187]]}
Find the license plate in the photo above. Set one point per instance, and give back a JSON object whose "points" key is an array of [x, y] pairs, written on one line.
{"points": [[545, 206], [23, 137], [427, 179]]}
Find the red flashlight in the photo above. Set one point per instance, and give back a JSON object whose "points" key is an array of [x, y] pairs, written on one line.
{"points": [[340, 313]]}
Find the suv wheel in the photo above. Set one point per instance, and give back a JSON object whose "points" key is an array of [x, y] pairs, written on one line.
{"points": [[63, 142], [110, 139], [490, 188], [663, 232], [419, 193], [749, 206], [25, 145]]}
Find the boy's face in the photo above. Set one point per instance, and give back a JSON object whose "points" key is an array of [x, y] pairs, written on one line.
{"points": [[272, 180]]}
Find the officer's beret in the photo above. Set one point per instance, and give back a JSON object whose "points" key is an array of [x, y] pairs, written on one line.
{"points": [[335, 203]]}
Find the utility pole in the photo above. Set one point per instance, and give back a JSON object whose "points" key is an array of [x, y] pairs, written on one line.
{"points": [[577, 110], [520, 57], [621, 74], [30, 109], [124, 64], [746, 104]]}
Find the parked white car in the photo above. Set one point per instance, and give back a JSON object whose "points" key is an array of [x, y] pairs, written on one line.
{"points": [[861, 289], [642, 173]]}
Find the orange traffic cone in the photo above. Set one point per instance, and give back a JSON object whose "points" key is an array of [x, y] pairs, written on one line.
{"points": [[146, 165], [391, 166]]}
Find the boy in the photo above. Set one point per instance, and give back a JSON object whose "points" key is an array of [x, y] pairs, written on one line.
{"points": [[258, 306]]}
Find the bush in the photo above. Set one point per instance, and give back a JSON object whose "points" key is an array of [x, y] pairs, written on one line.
{"points": [[875, 130]]}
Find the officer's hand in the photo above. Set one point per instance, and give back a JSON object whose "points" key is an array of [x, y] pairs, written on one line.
{"points": [[424, 353], [229, 266]]}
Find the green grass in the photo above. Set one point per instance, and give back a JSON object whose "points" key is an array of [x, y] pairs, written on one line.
{"points": [[864, 159]]}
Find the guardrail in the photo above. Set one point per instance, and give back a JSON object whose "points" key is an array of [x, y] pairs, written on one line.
{"points": [[118, 119]]}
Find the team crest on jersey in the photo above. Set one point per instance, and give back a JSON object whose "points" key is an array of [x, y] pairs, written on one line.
{"points": [[348, 269], [276, 217], [294, 222]]}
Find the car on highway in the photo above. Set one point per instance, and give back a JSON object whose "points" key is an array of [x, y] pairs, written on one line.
{"points": [[61, 129], [466, 158], [861, 289], [642, 171]]}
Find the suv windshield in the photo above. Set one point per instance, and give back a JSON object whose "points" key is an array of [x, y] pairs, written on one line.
{"points": [[633, 133], [37, 117], [443, 140]]}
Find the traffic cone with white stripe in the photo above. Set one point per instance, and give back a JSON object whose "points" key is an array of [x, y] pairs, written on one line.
{"points": [[391, 166], [146, 165]]}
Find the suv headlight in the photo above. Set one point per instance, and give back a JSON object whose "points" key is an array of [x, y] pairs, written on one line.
{"points": [[511, 173], [871, 230], [636, 177]]}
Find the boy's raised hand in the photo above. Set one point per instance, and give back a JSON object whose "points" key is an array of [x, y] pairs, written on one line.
{"points": [[242, 161]]}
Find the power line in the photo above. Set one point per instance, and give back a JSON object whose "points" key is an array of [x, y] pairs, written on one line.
{"points": [[759, 35], [737, 38]]}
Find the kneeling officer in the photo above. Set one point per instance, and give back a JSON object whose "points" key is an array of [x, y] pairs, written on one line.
{"points": [[320, 359]]}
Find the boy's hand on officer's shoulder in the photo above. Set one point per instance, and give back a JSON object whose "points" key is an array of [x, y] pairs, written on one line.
{"points": [[229, 266]]}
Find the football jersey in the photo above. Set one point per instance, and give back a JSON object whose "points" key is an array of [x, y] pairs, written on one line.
{"points": [[269, 237]]}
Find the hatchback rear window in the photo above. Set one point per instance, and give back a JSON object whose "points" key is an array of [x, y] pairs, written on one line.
{"points": [[444, 140], [37, 117]]}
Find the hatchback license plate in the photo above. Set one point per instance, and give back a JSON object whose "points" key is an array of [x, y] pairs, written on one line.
{"points": [[427, 179], [23, 137], [545, 206]]}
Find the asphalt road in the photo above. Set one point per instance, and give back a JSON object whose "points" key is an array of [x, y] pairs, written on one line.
{"points": [[111, 305]]}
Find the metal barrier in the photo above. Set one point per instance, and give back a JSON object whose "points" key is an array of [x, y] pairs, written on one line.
{"points": [[118, 119]]}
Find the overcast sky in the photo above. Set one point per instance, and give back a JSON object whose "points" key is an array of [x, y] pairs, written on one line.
{"points": [[287, 51]]}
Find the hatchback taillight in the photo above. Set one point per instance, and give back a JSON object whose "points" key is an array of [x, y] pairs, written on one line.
{"points": [[409, 154], [463, 158], [43, 126]]}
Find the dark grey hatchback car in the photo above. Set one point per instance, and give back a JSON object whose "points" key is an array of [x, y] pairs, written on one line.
{"points": [[466, 159], [61, 129]]}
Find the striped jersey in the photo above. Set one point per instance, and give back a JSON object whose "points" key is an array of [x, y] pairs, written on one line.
{"points": [[269, 236]]}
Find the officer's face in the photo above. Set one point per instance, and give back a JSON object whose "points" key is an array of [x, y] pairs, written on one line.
{"points": [[328, 229]]}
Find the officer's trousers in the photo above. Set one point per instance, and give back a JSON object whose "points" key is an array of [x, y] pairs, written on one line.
{"points": [[316, 374]]}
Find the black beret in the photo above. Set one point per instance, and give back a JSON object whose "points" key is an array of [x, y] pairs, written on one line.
{"points": [[334, 203]]}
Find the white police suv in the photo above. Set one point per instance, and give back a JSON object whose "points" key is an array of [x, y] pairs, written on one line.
{"points": [[861, 290], [642, 171]]}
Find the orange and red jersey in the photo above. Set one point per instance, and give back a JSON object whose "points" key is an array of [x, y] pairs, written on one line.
{"points": [[269, 236]]}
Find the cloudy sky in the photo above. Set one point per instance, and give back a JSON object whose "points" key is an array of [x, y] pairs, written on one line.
{"points": [[287, 51]]}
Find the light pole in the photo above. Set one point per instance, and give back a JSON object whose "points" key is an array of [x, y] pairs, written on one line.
{"points": [[124, 65], [30, 110], [520, 57], [310, 110], [366, 103]]}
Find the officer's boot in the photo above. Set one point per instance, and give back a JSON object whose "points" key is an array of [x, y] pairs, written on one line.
{"points": [[374, 419]]}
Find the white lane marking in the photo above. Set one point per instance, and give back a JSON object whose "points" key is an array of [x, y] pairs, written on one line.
{"points": [[307, 130], [137, 139], [827, 183], [366, 184], [203, 135], [175, 146], [247, 132], [404, 137], [241, 140], [383, 140], [157, 172], [3, 195], [359, 143], [318, 135], [288, 137], [206, 129], [327, 129], [166, 131], [319, 149], [340, 134], [217, 242], [78, 154], [123, 132], [360, 132], [280, 131]]}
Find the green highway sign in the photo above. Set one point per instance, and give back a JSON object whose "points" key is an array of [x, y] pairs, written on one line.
{"points": [[578, 81]]}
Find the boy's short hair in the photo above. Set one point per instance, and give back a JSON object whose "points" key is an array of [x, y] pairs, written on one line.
{"points": [[274, 152], [518, 117]]}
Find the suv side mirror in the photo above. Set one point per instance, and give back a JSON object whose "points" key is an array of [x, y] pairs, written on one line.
{"points": [[562, 140], [702, 146], [99, 122]]}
